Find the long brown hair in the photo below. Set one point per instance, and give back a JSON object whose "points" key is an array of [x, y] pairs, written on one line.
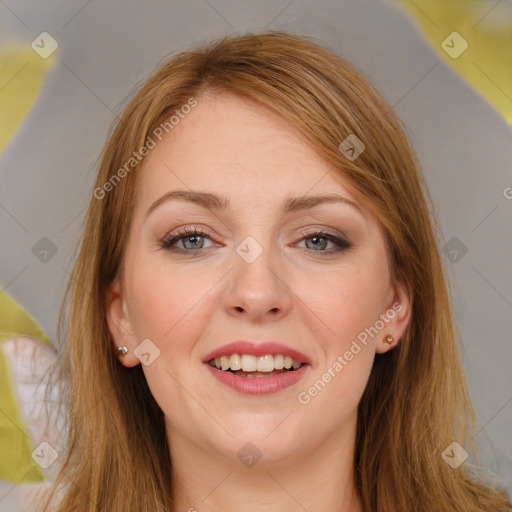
{"points": [[416, 402]]}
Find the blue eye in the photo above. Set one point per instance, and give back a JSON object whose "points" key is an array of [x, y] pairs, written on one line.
{"points": [[320, 238], [192, 243], [187, 235]]}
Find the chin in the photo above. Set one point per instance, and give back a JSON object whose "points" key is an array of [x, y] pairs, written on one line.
{"points": [[263, 441]]}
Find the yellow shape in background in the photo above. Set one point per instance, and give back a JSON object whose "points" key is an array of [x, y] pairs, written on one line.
{"points": [[487, 28], [22, 72], [15, 321], [16, 463]]}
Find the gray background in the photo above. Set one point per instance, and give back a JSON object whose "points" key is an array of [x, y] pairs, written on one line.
{"points": [[107, 49]]}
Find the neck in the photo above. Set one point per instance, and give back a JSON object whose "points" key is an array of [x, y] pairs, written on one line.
{"points": [[316, 479]]}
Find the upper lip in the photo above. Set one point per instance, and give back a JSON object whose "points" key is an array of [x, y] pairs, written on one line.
{"points": [[257, 349]]}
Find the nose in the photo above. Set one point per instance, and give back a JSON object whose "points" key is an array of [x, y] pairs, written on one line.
{"points": [[258, 289]]}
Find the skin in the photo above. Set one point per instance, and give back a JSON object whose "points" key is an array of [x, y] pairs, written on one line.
{"points": [[188, 306]]}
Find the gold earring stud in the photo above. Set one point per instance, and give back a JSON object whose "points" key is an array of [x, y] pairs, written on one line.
{"points": [[389, 339]]}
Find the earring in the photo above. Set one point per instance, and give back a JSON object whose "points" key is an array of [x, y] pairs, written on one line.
{"points": [[122, 351], [389, 338]]}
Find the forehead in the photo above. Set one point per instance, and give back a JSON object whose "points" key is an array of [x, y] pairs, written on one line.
{"points": [[236, 147]]}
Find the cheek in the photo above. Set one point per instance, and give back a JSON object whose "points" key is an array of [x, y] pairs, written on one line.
{"points": [[347, 302], [170, 308], [331, 397], [343, 302], [164, 302]]}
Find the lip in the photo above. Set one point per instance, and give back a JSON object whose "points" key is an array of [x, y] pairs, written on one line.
{"points": [[259, 349], [258, 385]]}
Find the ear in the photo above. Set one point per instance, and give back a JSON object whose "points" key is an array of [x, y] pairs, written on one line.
{"points": [[398, 314], [119, 323]]}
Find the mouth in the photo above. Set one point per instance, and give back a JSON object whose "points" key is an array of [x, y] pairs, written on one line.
{"points": [[250, 366], [257, 375]]}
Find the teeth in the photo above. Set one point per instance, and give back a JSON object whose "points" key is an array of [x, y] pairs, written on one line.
{"points": [[249, 363], [278, 362], [224, 362], [265, 363], [235, 362]]}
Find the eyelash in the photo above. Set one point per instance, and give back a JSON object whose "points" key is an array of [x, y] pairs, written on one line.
{"points": [[169, 241]]}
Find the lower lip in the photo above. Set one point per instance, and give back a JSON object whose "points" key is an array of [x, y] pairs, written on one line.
{"points": [[258, 385]]}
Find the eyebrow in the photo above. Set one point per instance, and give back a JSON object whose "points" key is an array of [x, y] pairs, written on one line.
{"points": [[220, 203]]}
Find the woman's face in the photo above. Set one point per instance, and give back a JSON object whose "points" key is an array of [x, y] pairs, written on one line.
{"points": [[258, 273]]}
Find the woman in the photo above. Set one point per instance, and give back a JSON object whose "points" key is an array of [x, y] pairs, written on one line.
{"points": [[259, 317]]}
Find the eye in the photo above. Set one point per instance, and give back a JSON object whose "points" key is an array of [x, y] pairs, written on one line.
{"points": [[320, 239], [190, 238]]}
